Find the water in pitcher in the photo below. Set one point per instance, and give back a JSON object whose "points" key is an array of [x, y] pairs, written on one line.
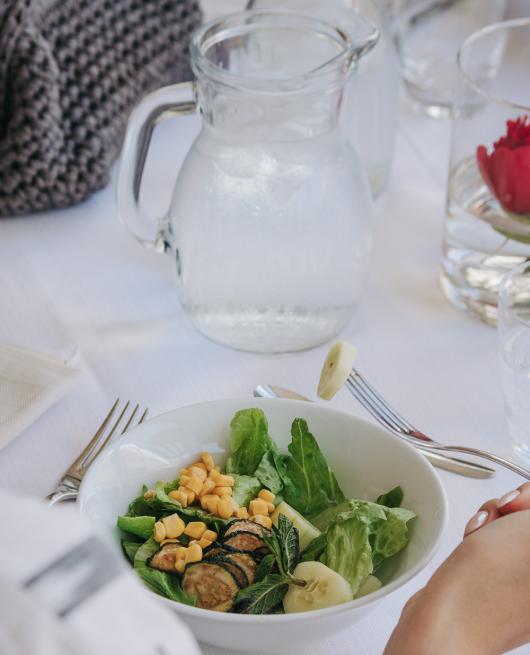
{"points": [[293, 200]]}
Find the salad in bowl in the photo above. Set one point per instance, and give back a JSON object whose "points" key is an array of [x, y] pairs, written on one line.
{"points": [[264, 531]]}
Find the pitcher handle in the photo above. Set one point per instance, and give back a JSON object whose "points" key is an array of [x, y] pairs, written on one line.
{"points": [[173, 100]]}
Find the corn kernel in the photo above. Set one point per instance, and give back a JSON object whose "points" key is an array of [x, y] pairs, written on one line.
{"points": [[204, 543], [183, 472], [242, 513], [179, 496], [222, 491], [169, 541], [204, 500], [201, 465], [195, 485], [181, 552], [159, 531], [270, 507], [174, 526], [207, 459], [184, 479], [212, 503], [193, 554], [190, 495], [207, 488], [180, 565], [210, 535], [225, 508], [215, 472], [266, 495], [149, 494], [224, 481], [195, 529], [265, 521], [196, 472], [258, 506]]}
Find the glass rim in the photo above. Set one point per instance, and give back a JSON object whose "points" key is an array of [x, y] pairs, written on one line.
{"points": [[521, 270], [331, 73], [476, 36]]}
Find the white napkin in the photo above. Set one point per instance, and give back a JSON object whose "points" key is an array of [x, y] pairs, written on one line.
{"points": [[64, 590], [30, 383]]}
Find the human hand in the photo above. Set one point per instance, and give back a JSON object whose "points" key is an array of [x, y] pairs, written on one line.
{"points": [[491, 510], [478, 601]]}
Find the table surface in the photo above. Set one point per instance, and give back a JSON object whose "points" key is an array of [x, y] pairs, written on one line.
{"points": [[75, 285]]}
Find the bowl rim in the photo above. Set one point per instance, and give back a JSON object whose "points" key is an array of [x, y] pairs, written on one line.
{"points": [[227, 617]]}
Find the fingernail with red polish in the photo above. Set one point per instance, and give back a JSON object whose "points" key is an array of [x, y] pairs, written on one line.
{"points": [[476, 521], [507, 498]]}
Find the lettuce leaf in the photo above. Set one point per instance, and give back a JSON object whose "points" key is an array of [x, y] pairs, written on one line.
{"points": [[309, 484], [267, 473], [141, 526], [392, 498], [348, 551], [361, 536], [249, 441], [245, 489], [164, 584]]}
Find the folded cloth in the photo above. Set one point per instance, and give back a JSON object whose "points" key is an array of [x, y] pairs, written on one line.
{"points": [[66, 591], [30, 383], [70, 72]]}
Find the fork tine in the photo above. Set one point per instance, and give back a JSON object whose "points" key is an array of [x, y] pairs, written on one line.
{"points": [[369, 405], [143, 416], [130, 419], [385, 406], [95, 439], [379, 403], [92, 455]]}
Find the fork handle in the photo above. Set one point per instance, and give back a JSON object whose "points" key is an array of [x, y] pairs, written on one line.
{"points": [[67, 489], [502, 461]]}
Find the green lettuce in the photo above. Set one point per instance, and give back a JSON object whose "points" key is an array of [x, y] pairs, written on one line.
{"points": [[348, 551], [309, 484], [164, 584], [361, 536], [245, 489], [141, 526], [267, 472], [249, 441], [392, 498]]}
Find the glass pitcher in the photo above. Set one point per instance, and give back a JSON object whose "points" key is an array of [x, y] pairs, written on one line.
{"points": [[371, 104], [270, 218]]}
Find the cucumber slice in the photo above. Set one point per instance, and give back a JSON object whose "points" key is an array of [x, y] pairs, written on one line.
{"points": [[307, 531]]}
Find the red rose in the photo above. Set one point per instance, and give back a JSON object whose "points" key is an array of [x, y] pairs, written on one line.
{"points": [[506, 170]]}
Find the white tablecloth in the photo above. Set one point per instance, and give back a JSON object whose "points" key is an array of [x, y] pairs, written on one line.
{"points": [[75, 285]]}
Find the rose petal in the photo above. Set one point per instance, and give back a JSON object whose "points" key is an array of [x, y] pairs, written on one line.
{"points": [[510, 174], [521, 172], [483, 163]]}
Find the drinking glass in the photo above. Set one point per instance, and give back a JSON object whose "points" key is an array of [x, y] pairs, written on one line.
{"points": [[487, 226], [371, 100], [514, 336], [428, 34]]}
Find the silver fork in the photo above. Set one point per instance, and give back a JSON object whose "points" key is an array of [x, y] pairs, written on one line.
{"points": [[371, 400], [68, 486]]}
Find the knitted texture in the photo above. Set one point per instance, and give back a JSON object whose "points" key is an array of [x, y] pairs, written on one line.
{"points": [[70, 72]]}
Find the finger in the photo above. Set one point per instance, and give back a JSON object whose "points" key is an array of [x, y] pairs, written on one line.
{"points": [[487, 513], [516, 500]]}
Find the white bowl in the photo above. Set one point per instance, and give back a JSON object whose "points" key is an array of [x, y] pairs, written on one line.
{"points": [[367, 461]]}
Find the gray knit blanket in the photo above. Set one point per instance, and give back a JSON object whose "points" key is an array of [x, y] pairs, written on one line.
{"points": [[70, 72]]}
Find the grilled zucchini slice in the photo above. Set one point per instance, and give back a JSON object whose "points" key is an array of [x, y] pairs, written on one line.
{"points": [[213, 586], [245, 542], [245, 525]]}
